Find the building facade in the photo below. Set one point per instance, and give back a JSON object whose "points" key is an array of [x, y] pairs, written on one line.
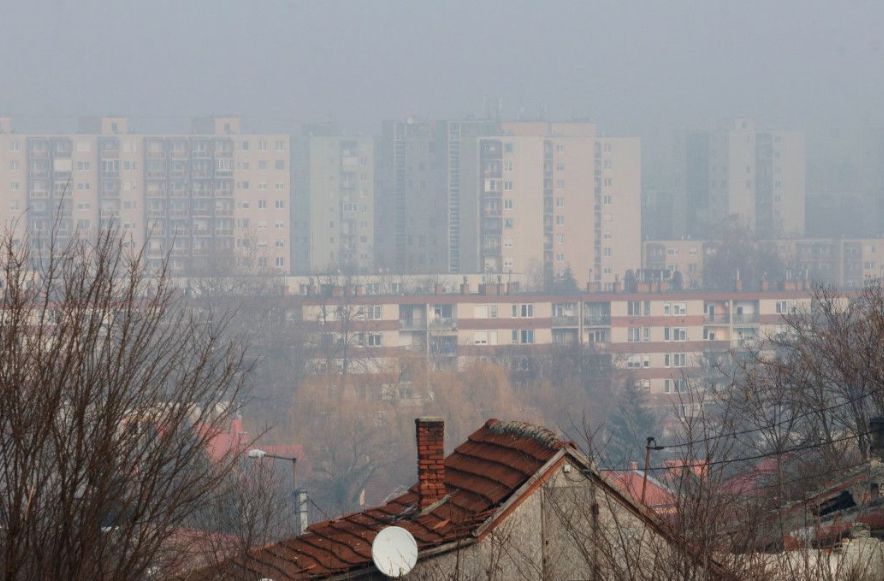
{"points": [[755, 175], [558, 199], [427, 217], [658, 340], [205, 199], [847, 263], [333, 202]]}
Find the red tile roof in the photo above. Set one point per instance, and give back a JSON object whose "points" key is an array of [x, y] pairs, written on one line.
{"points": [[480, 475], [657, 497]]}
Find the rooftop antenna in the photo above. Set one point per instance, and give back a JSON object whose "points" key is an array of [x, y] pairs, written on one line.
{"points": [[394, 552]]}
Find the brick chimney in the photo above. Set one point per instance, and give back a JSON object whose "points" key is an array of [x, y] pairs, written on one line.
{"points": [[430, 460]]}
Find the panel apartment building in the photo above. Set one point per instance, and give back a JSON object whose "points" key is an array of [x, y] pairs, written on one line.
{"points": [[556, 197], [427, 199], [754, 174], [697, 179], [204, 198], [333, 202], [510, 197], [658, 340]]}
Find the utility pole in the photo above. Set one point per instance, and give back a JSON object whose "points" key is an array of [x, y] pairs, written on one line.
{"points": [[650, 444], [299, 496]]}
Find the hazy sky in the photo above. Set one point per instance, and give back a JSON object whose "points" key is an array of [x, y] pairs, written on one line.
{"points": [[622, 63]]}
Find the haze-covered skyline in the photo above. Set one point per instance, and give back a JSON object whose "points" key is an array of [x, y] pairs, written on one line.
{"points": [[624, 65]]}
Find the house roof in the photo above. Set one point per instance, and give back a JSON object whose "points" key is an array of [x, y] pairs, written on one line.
{"points": [[480, 476], [657, 497]]}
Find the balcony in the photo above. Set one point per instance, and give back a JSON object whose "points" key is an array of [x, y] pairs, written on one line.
{"points": [[412, 325], [565, 320], [443, 323], [740, 318], [717, 318], [597, 320]]}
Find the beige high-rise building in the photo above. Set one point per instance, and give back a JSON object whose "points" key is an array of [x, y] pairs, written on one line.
{"points": [[556, 198], [204, 198], [334, 203], [755, 175]]}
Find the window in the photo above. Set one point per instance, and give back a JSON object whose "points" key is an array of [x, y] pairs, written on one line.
{"points": [[674, 360], [508, 165], [638, 361], [675, 334], [634, 308], [279, 145], [262, 164], [523, 336], [508, 185], [560, 220], [523, 311], [507, 204], [375, 339], [675, 386], [279, 164], [280, 187], [508, 223], [280, 262], [262, 204], [508, 147], [480, 338], [560, 202], [280, 243], [279, 204], [675, 309], [373, 312]]}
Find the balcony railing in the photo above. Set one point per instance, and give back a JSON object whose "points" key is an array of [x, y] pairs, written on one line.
{"points": [[443, 323], [745, 318], [564, 320], [597, 320], [412, 325], [717, 318]]}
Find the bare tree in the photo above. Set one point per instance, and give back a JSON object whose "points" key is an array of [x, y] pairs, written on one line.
{"points": [[110, 392]]}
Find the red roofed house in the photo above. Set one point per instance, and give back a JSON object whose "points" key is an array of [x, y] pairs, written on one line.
{"points": [[513, 501], [657, 496]]}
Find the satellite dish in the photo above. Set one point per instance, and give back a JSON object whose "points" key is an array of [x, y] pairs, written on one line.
{"points": [[394, 552]]}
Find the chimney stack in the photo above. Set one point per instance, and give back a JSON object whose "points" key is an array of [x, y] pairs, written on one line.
{"points": [[430, 460]]}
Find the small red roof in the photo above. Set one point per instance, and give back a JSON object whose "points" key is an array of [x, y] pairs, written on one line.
{"points": [[657, 496]]}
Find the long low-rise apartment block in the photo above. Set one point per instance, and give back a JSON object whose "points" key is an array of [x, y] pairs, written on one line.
{"points": [[659, 340]]}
